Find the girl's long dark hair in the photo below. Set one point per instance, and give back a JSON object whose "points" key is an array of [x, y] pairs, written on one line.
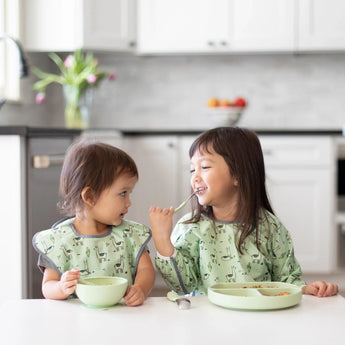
{"points": [[242, 153]]}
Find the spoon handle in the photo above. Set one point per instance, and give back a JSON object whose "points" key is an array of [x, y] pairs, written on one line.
{"points": [[181, 206]]}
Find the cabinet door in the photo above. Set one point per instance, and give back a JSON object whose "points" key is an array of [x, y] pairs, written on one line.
{"points": [[213, 26], [109, 24], [321, 25], [52, 25], [157, 161], [262, 25], [13, 215], [171, 25], [67, 25], [301, 199]]}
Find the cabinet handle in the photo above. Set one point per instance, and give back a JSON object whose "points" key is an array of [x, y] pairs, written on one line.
{"points": [[171, 145], [210, 43], [223, 43], [45, 161]]}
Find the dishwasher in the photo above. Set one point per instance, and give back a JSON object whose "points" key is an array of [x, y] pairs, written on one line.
{"points": [[45, 155]]}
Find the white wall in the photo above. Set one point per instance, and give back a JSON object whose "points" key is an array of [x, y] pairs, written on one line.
{"points": [[284, 91]]}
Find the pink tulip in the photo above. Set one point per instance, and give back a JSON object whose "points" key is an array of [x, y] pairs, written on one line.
{"points": [[68, 61], [111, 76], [40, 98], [91, 78]]}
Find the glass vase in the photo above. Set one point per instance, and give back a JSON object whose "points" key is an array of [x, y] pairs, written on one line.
{"points": [[77, 107]]}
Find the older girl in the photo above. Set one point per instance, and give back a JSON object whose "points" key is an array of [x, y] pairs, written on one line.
{"points": [[232, 234]]}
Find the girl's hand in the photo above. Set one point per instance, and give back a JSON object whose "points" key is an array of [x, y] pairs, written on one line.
{"points": [[320, 289], [161, 227], [69, 280], [134, 296]]}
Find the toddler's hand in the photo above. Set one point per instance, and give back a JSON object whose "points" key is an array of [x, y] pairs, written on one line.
{"points": [[320, 289], [134, 296], [161, 226], [69, 280]]}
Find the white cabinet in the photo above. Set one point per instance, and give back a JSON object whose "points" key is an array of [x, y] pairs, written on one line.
{"points": [[213, 26], [163, 166], [66, 25], [13, 216], [321, 25], [300, 177], [157, 161], [300, 180], [171, 25], [265, 25], [167, 26]]}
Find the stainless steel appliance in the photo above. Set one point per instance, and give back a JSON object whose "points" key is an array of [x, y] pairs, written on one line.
{"points": [[45, 154]]}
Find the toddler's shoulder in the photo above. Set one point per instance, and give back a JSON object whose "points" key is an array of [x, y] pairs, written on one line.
{"points": [[130, 227]]}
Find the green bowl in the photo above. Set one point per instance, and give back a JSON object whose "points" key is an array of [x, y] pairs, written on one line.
{"points": [[101, 292]]}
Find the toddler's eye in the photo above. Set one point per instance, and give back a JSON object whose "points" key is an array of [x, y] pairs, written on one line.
{"points": [[192, 171], [204, 168], [123, 193]]}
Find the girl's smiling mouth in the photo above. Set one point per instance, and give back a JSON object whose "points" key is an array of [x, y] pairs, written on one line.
{"points": [[200, 190]]}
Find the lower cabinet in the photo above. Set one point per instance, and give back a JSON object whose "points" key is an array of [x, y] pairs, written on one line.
{"points": [[300, 179]]}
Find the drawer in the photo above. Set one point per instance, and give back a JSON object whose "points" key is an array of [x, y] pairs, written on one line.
{"points": [[298, 150]]}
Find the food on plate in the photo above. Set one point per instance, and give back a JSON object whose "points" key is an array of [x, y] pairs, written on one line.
{"points": [[283, 294]]}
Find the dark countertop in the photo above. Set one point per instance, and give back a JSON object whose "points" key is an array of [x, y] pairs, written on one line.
{"points": [[27, 131], [52, 131]]}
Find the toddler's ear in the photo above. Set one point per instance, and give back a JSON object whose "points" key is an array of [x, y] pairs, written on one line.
{"points": [[88, 196]]}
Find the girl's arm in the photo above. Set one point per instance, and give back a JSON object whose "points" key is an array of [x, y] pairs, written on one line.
{"points": [[161, 226], [144, 280], [181, 272], [54, 287]]}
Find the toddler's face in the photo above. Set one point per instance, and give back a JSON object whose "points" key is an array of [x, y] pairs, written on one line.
{"points": [[212, 178], [113, 203]]}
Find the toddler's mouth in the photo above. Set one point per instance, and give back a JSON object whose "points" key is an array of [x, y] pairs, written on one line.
{"points": [[200, 190]]}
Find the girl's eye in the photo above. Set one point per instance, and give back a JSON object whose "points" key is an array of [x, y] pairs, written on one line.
{"points": [[192, 171], [123, 193], [204, 168]]}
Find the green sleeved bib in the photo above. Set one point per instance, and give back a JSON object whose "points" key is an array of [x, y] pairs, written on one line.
{"points": [[115, 253]]}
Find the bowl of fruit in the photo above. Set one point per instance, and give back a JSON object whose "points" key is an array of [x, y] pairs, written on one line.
{"points": [[226, 112]]}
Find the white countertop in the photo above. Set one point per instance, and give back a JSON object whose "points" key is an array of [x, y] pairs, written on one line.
{"points": [[159, 321]]}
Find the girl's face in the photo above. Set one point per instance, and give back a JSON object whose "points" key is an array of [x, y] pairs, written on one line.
{"points": [[113, 203], [215, 185]]}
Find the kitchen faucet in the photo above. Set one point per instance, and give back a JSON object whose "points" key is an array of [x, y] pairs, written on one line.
{"points": [[23, 66]]}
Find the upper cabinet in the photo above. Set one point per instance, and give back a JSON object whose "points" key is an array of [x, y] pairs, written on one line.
{"points": [[66, 25], [207, 26], [321, 25], [184, 26], [215, 26]]}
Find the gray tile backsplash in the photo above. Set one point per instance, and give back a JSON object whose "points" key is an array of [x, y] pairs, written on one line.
{"points": [[155, 92]]}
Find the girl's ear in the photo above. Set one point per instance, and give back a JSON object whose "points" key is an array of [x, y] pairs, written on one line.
{"points": [[88, 196]]}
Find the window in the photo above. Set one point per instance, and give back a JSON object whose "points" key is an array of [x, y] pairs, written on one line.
{"points": [[9, 54]]}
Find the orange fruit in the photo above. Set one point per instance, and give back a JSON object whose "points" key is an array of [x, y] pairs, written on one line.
{"points": [[225, 103], [213, 102]]}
